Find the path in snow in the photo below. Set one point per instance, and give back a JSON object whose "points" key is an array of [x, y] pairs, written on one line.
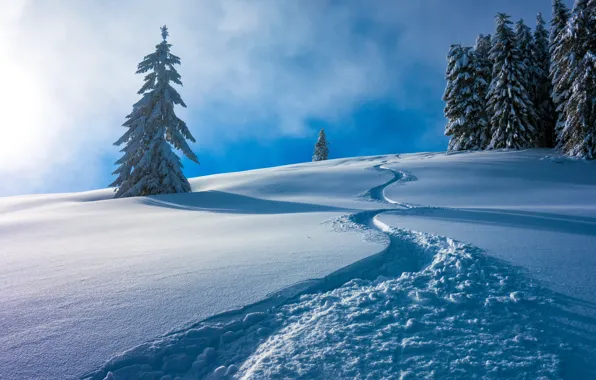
{"points": [[425, 306]]}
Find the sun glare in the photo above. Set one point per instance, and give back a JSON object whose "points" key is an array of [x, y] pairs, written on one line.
{"points": [[22, 113]]}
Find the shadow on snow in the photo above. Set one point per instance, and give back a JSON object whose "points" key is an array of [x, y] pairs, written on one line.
{"points": [[223, 202]]}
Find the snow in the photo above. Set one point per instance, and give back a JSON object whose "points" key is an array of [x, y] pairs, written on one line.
{"points": [[84, 277], [446, 320], [530, 209], [426, 265]]}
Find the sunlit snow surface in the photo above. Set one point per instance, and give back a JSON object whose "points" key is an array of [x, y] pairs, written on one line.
{"points": [[424, 306]]}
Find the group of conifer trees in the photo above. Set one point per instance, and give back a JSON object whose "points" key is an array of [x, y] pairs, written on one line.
{"points": [[517, 89]]}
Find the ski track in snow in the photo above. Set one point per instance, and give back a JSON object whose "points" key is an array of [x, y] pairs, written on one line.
{"points": [[425, 307]]}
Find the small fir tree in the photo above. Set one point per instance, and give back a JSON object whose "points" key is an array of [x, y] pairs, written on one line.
{"points": [[321, 150], [511, 109], [148, 164]]}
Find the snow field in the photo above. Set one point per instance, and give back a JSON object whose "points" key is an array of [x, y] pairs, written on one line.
{"points": [[272, 273], [425, 306]]}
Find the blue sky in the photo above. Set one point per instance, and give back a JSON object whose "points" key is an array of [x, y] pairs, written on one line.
{"points": [[261, 77]]}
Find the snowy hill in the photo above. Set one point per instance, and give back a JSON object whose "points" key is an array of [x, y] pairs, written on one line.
{"points": [[422, 265]]}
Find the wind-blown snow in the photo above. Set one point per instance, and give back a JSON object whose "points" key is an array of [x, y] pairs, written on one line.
{"points": [[85, 279]]}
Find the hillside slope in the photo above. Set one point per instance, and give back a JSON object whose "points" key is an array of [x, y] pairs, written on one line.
{"points": [[85, 277]]}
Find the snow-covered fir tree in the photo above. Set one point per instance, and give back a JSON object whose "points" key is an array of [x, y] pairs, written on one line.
{"points": [[483, 45], [541, 91], [580, 128], [511, 109], [458, 97], [578, 137], [559, 52], [484, 69], [321, 150], [529, 79], [148, 164], [525, 46]]}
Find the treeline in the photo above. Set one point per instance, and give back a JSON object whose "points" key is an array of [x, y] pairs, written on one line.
{"points": [[521, 89]]}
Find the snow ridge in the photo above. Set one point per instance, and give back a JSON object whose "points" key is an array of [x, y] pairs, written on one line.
{"points": [[425, 306]]}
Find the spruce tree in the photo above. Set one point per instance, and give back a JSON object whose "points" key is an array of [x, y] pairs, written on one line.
{"points": [[508, 101], [484, 69], [578, 137], [559, 51], [541, 91], [148, 164], [483, 46], [525, 46], [462, 105], [321, 150], [529, 79]]}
